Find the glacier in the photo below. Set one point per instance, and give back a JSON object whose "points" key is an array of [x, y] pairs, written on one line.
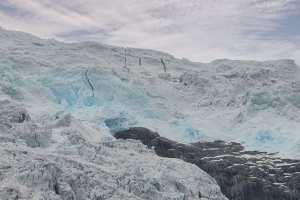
{"points": [[111, 89], [63, 158], [61, 104]]}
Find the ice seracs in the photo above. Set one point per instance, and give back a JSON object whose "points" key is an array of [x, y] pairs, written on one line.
{"points": [[61, 103], [255, 103], [60, 158]]}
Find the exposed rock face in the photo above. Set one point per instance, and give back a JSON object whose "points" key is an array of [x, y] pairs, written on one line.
{"points": [[138, 133], [242, 175]]}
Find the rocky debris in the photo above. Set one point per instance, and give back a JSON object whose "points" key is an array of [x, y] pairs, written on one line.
{"points": [[242, 175]]}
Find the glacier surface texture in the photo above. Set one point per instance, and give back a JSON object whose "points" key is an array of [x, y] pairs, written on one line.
{"points": [[110, 89], [60, 159], [61, 104]]}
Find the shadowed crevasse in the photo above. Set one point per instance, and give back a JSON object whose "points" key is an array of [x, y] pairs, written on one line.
{"points": [[241, 175]]}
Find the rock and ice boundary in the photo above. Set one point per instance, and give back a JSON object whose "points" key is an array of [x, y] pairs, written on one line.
{"points": [[241, 174]]}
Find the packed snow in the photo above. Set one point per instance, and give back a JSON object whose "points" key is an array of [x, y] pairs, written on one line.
{"points": [[109, 89]]}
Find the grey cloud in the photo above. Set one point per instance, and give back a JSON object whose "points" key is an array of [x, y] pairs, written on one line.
{"points": [[198, 30]]}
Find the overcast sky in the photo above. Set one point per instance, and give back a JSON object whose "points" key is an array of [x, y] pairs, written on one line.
{"points": [[200, 30]]}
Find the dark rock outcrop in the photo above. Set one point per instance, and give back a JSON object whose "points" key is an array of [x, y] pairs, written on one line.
{"points": [[242, 175]]}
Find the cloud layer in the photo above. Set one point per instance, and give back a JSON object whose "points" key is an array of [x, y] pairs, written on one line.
{"points": [[200, 30]]}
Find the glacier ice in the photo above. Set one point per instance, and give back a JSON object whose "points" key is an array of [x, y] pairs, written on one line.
{"points": [[61, 158], [227, 100]]}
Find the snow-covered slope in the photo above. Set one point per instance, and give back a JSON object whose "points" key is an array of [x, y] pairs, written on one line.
{"points": [[108, 89]]}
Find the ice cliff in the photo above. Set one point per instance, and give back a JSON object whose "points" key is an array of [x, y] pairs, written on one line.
{"points": [[61, 103], [111, 89]]}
